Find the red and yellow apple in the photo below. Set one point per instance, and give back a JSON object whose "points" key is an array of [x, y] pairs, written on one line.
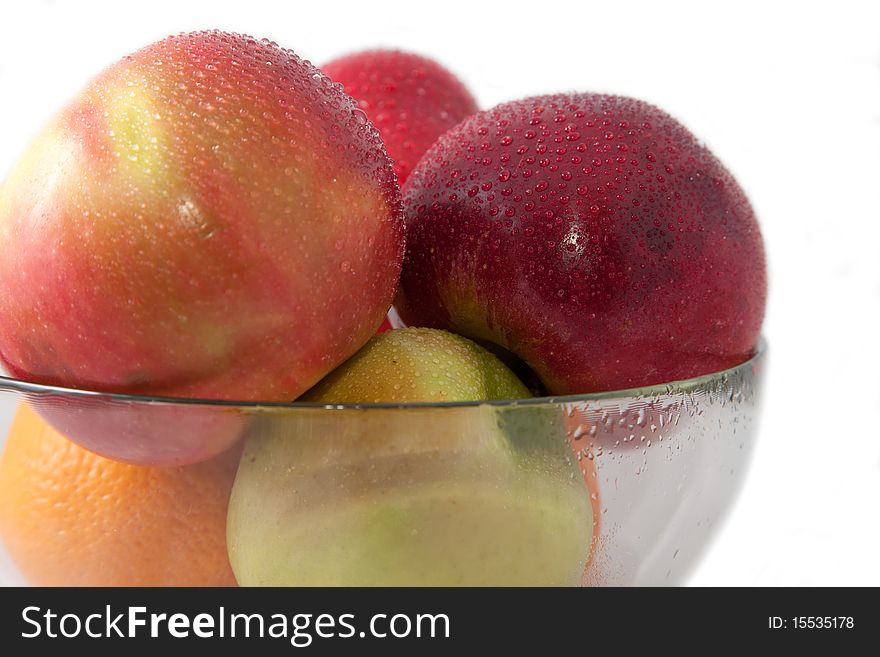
{"points": [[197, 222], [210, 217], [593, 236]]}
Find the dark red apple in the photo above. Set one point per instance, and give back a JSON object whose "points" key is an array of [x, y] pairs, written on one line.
{"points": [[591, 235], [411, 99]]}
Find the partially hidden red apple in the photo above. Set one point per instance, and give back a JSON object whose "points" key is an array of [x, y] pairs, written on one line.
{"points": [[411, 99], [384, 326], [591, 235], [211, 217]]}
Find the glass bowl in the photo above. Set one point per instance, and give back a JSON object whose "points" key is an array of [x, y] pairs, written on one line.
{"points": [[614, 488]]}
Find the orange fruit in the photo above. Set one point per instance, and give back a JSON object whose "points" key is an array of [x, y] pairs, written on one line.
{"points": [[72, 518]]}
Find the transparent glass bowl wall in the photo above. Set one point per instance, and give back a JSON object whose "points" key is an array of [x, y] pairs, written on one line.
{"points": [[661, 464]]}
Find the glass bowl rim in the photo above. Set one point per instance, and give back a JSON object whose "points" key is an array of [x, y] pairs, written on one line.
{"points": [[10, 384]]}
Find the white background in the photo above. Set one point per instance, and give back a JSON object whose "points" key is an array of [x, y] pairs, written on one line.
{"points": [[786, 94]]}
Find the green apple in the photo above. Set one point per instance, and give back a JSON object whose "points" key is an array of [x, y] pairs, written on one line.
{"points": [[418, 365], [467, 494]]}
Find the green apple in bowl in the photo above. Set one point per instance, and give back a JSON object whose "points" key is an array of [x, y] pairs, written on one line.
{"points": [[471, 494]]}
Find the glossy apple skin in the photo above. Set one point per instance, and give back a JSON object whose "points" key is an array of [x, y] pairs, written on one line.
{"points": [[591, 235], [411, 99], [211, 217]]}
